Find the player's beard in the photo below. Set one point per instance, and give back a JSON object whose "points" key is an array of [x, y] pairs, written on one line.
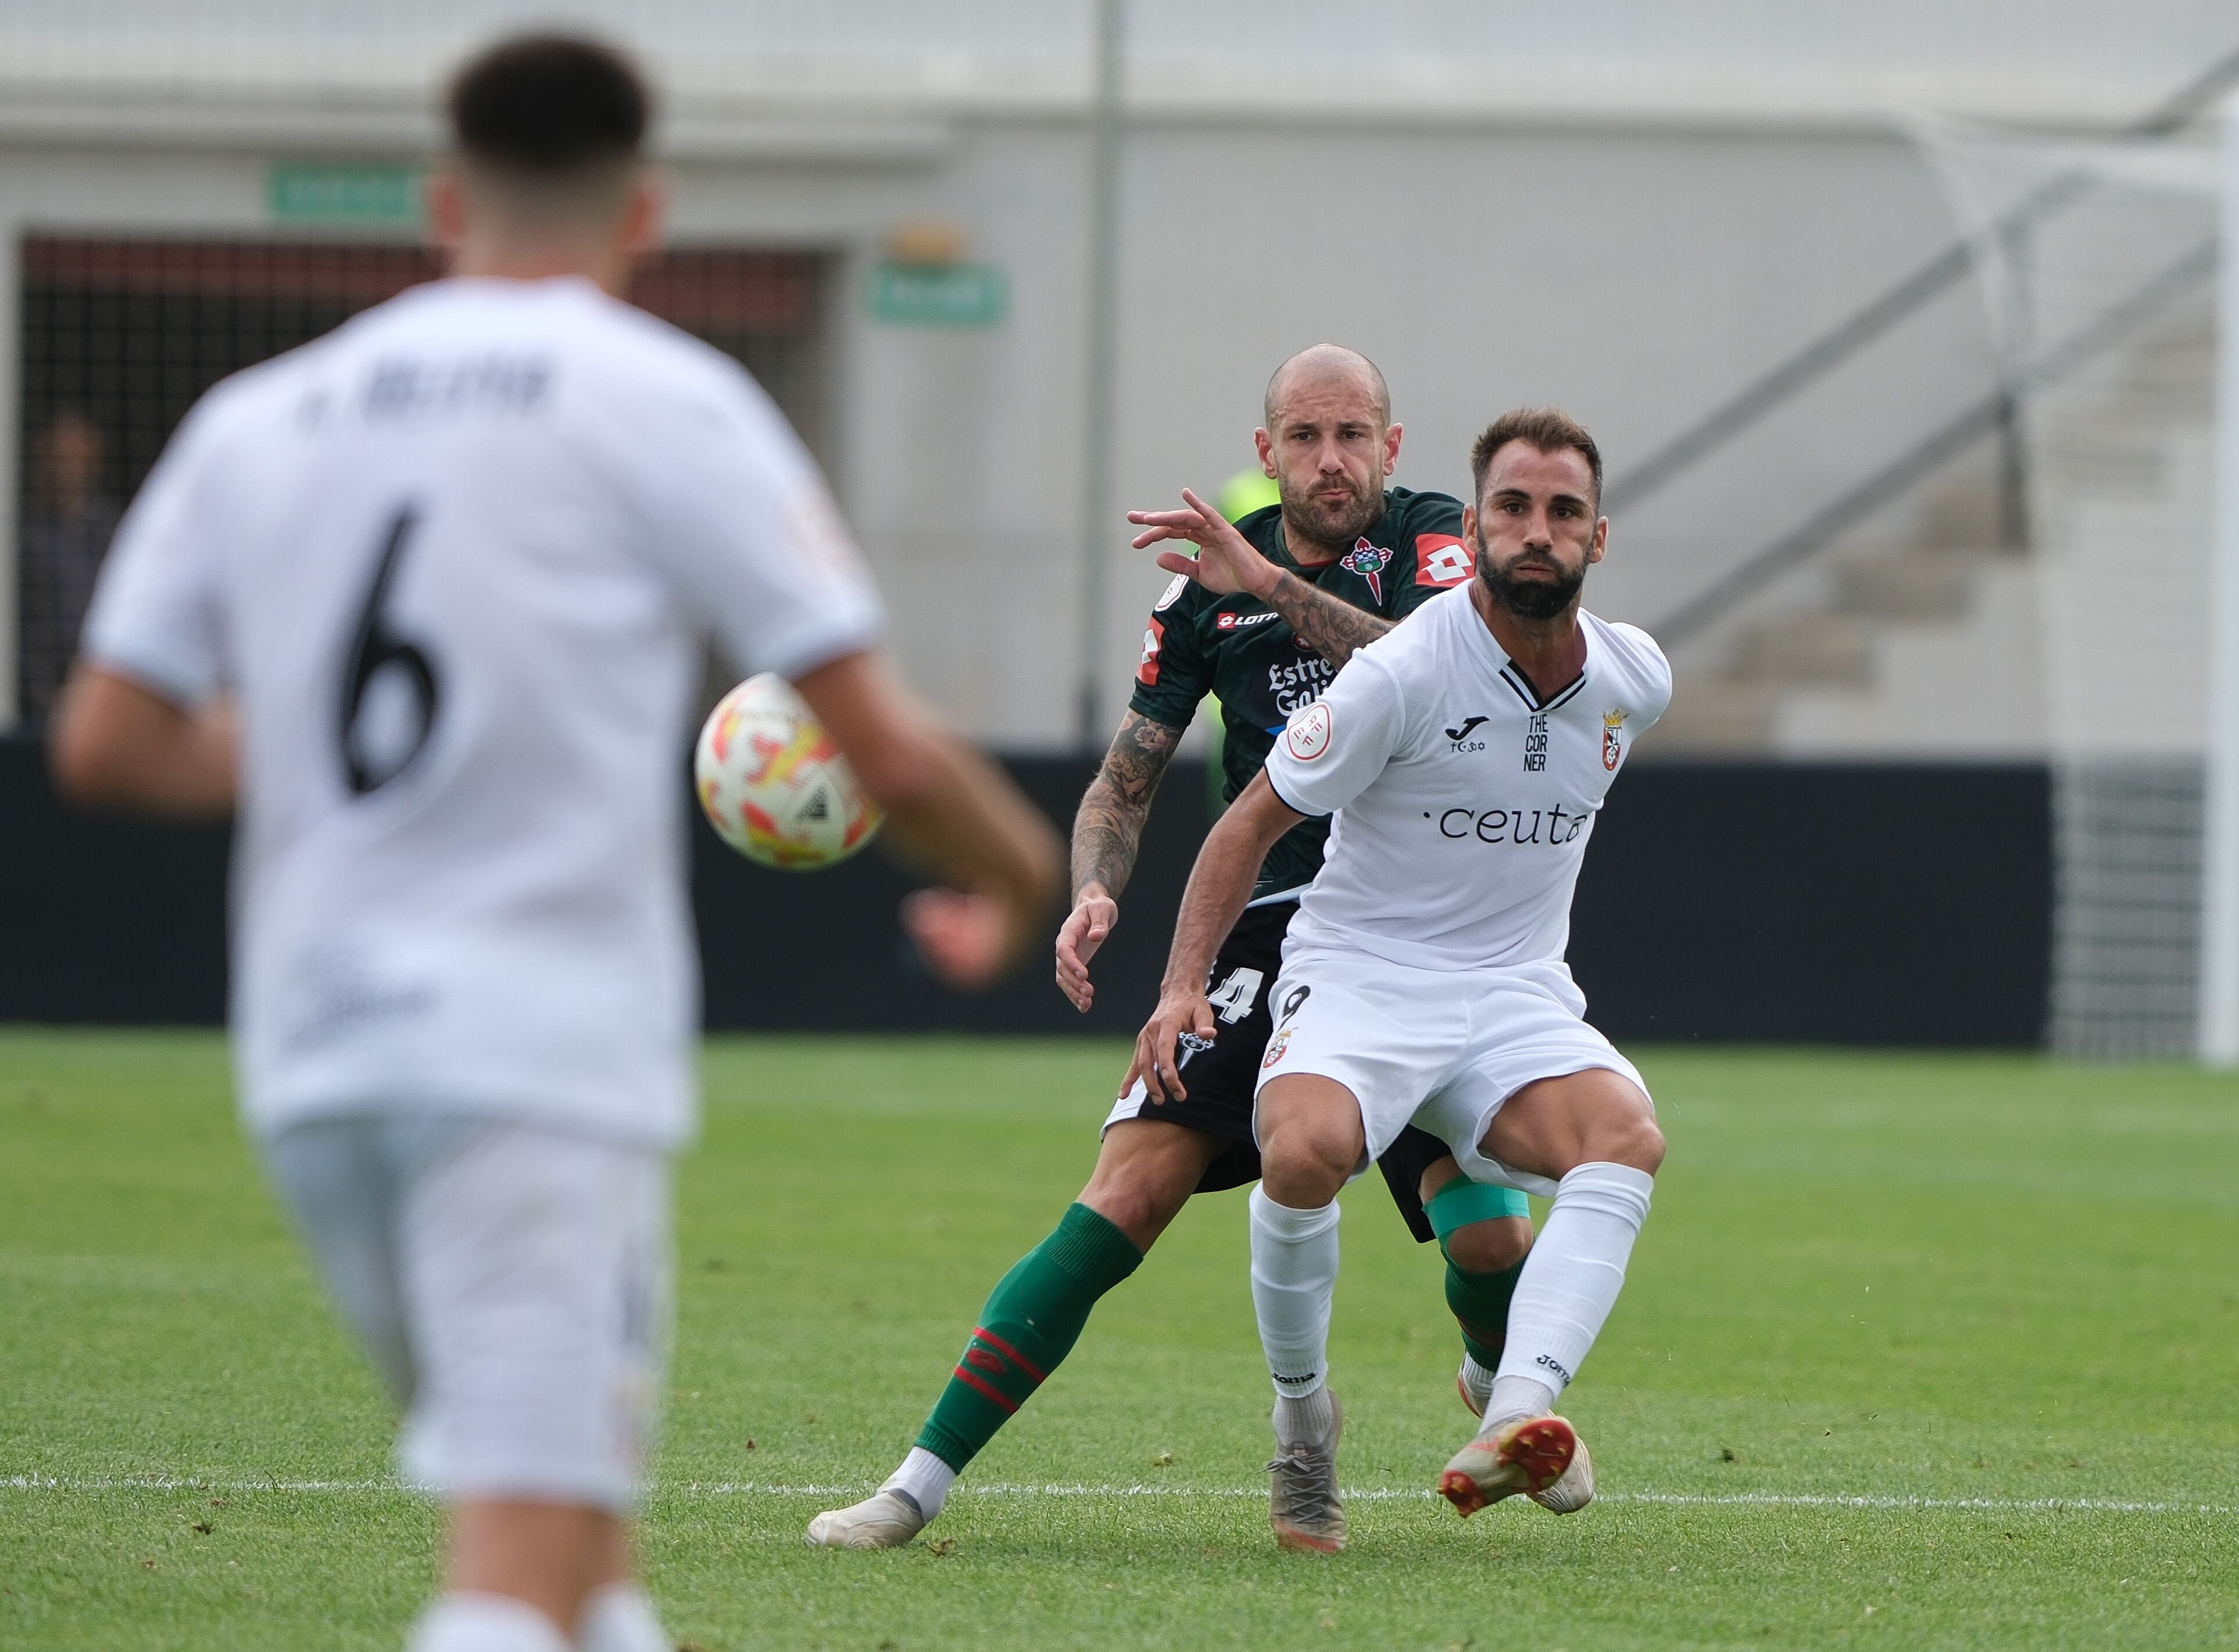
{"points": [[1333, 527], [1530, 599]]}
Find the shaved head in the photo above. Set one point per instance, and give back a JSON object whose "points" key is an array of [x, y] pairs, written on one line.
{"points": [[1329, 444], [1320, 365]]}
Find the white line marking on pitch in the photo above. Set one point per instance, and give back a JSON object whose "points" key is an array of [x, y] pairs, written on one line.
{"points": [[1372, 1493]]}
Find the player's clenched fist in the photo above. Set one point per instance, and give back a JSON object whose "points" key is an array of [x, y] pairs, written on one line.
{"points": [[1178, 1014], [1094, 915], [968, 940]]}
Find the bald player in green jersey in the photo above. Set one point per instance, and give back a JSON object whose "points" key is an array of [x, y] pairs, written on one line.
{"points": [[1262, 616]]}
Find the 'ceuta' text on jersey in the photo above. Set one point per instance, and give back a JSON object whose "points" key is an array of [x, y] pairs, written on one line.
{"points": [[1439, 757]]}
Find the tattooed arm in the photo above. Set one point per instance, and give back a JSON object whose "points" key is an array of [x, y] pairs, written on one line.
{"points": [[1106, 829], [1329, 625], [1227, 561]]}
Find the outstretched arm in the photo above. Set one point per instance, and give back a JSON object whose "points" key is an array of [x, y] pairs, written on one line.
{"points": [[948, 807], [1220, 886], [1227, 562], [1107, 831]]}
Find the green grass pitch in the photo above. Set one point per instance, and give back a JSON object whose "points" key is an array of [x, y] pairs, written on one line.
{"points": [[1916, 1352]]}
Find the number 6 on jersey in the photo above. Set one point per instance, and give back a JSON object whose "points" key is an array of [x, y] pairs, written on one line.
{"points": [[389, 689]]}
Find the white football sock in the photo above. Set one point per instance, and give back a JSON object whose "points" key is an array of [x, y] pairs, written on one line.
{"points": [[1303, 1422], [1515, 1397], [465, 1620], [1475, 1376], [620, 1618], [1293, 1278], [925, 1478], [1570, 1280]]}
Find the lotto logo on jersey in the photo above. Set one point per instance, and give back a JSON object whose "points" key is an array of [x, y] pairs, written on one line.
{"points": [[1147, 672], [1441, 560], [1307, 735]]}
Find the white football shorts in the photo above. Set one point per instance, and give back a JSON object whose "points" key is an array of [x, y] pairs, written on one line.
{"points": [[510, 1281], [1433, 1048]]}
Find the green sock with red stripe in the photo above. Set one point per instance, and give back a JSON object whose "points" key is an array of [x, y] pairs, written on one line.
{"points": [[1029, 1324]]}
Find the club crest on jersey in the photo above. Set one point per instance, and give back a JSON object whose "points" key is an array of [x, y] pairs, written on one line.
{"points": [[1275, 1047], [1307, 735], [1612, 745], [1369, 561]]}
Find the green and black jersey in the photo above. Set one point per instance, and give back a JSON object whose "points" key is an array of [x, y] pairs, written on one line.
{"points": [[1242, 650]]}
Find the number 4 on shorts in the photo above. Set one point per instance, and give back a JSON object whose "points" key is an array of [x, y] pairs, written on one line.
{"points": [[1234, 997]]}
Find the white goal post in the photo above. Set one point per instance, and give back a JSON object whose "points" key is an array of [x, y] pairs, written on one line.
{"points": [[2219, 945], [2112, 317]]}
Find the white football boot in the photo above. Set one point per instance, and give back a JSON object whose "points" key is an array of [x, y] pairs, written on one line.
{"points": [[1574, 1489], [1530, 1455], [883, 1520], [1568, 1494]]}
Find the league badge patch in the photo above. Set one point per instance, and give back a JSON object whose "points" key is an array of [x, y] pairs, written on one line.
{"points": [[1308, 735], [1369, 561], [1612, 745]]}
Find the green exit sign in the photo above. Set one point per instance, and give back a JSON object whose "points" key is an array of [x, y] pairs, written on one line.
{"points": [[321, 192], [939, 294]]}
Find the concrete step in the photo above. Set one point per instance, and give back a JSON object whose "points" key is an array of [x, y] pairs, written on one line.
{"points": [[1940, 647], [1806, 648], [1905, 583], [1962, 514], [1972, 683]]}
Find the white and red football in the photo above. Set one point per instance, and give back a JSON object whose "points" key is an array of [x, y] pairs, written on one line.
{"points": [[774, 785]]}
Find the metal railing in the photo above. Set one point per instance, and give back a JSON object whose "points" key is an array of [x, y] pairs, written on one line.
{"points": [[2135, 308], [1754, 402]]}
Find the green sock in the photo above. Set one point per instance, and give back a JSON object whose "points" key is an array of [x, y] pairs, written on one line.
{"points": [[1479, 1300], [1030, 1323], [1480, 1303]]}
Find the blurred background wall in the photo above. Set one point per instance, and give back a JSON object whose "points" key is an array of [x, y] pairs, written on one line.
{"points": [[1637, 211], [1631, 209]]}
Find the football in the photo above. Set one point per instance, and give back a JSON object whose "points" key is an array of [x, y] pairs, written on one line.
{"points": [[774, 785]]}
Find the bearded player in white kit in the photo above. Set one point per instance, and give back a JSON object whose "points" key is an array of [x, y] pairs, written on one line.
{"points": [[1471, 746], [428, 597]]}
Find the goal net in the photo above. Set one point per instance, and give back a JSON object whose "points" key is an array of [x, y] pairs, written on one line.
{"points": [[2098, 262]]}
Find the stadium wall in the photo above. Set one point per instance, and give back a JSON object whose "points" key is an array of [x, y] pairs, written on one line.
{"points": [[1861, 904], [1665, 262]]}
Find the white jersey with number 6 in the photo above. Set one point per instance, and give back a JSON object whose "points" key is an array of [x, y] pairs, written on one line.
{"points": [[455, 562], [1464, 801]]}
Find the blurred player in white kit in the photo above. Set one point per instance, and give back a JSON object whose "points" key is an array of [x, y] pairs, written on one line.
{"points": [[427, 598], [1472, 745]]}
